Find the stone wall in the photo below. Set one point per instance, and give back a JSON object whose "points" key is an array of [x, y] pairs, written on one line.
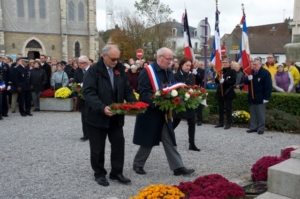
{"points": [[20, 40], [84, 45]]}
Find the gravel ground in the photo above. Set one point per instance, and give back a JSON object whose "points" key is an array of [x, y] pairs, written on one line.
{"points": [[42, 157]]}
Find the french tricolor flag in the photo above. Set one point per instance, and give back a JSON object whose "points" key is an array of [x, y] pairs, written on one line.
{"points": [[216, 57], [188, 50], [244, 56]]}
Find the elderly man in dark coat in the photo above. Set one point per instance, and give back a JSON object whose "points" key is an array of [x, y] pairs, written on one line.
{"points": [[106, 83], [262, 88], [151, 126]]}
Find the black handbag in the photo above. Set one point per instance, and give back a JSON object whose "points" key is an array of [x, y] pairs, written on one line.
{"points": [[59, 85]]}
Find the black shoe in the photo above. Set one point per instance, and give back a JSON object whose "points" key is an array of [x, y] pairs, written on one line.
{"points": [[120, 178], [13, 112], [260, 132], [1, 118], [219, 125], [199, 123], [36, 109], [251, 130], [5, 115], [227, 126], [183, 171], [84, 138], [29, 114], [139, 170], [102, 181], [23, 115], [193, 147]]}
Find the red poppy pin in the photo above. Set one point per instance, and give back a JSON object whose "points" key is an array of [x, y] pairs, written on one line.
{"points": [[117, 72]]}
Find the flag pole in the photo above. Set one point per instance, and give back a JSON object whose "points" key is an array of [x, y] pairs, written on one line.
{"points": [[248, 60], [218, 72]]}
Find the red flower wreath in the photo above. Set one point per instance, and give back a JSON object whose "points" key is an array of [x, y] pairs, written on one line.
{"points": [[176, 100], [117, 72]]}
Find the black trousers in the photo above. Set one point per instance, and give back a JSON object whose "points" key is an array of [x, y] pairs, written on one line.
{"points": [[4, 103], [97, 139], [83, 116], [24, 97], [199, 112], [228, 111], [191, 127]]}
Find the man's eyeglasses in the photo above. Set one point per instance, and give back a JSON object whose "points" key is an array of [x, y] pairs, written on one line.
{"points": [[169, 59], [82, 63], [112, 59], [269, 57]]}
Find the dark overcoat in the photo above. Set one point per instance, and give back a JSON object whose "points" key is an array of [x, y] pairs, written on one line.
{"points": [[78, 75], [98, 93], [22, 78], [188, 79], [262, 86], [199, 77], [229, 76], [38, 79], [148, 125]]}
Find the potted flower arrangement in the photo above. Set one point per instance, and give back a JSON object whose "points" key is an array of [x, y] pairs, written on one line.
{"points": [[240, 116], [178, 97], [160, 191], [129, 108], [56, 101]]}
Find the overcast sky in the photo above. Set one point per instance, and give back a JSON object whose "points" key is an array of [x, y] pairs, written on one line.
{"points": [[258, 12]]}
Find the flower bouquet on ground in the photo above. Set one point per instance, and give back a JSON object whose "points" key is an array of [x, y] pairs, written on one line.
{"points": [[179, 97], [160, 191], [240, 117], [49, 93], [63, 92], [129, 108], [77, 88]]}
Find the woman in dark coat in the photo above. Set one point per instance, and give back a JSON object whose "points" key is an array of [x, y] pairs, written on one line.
{"points": [[225, 93], [185, 76], [38, 81]]}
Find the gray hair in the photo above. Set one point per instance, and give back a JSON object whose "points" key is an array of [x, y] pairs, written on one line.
{"points": [[162, 51], [106, 49], [84, 59], [258, 59]]}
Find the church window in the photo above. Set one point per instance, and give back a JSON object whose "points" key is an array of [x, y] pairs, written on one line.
{"points": [[31, 10], [33, 44], [20, 5], [174, 32], [80, 12], [77, 49], [42, 9], [71, 11]]}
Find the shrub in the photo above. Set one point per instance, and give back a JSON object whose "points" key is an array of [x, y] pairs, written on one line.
{"points": [[282, 121], [205, 113], [260, 168], [49, 93], [287, 102]]}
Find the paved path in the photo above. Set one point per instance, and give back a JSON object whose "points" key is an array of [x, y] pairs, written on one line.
{"points": [[42, 157]]}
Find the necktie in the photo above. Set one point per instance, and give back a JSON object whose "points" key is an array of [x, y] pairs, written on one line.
{"points": [[111, 76], [84, 71]]}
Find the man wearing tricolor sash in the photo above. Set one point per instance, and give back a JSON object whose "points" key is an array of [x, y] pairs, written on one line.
{"points": [[151, 127]]}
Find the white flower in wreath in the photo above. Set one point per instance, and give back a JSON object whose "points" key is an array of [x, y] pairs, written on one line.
{"points": [[81, 85], [186, 96], [157, 93], [174, 93]]}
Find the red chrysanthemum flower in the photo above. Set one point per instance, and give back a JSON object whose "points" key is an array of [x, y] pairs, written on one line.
{"points": [[176, 100]]}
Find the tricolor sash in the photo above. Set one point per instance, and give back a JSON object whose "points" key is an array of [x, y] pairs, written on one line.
{"points": [[2, 86], [154, 80]]}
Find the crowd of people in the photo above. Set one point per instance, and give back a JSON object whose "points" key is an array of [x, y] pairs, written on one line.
{"points": [[109, 81]]}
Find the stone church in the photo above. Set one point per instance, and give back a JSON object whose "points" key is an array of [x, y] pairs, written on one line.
{"points": [[57, 28]]}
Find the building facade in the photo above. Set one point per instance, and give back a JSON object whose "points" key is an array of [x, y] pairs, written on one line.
{"points": [[58, 28]]}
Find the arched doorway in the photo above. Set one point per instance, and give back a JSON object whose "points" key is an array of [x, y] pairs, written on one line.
{"points": [[33, 48]]}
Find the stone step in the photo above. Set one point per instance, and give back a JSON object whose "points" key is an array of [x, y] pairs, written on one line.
{"points": [[296, 154], [284, 178], [269, 195]]}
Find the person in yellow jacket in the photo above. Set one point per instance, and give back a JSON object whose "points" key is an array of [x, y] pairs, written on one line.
{"points": [[294, 72], [271, 64]]}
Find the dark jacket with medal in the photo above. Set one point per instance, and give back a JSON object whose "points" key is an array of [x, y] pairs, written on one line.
{"points": [[5, 73], [98, 93], [188, 79], [229, 76], [149, 125], [21, 78]]}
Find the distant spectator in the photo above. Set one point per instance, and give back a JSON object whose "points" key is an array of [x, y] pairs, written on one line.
{"points": [[294, 72], [239, 83], [150, 60], [31, 63], [271, 64], [175, 67], [59, 78], [283, 80], [38, 79], [91, 62], [133, 76], [127, 67], [145, 64]]}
